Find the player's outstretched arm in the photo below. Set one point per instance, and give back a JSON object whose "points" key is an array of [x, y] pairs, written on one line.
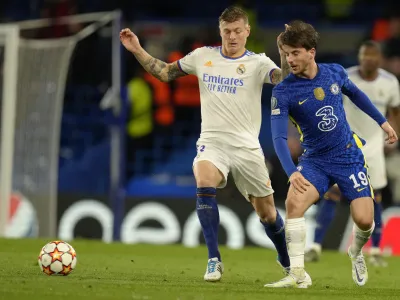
{"points": [[163, 71], [391, 133], [361, 100]]}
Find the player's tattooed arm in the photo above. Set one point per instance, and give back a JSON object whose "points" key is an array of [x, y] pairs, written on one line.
{"points": [[279, 74], [276, 76], [174, 71], [284, 66], [163, 71], [159, 69]]}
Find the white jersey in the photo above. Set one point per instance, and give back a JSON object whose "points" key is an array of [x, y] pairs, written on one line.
{"points": [[384, 92], [230, 94]]}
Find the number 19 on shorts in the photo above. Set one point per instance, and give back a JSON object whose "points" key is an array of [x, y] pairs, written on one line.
{"points": [[361, 179]]}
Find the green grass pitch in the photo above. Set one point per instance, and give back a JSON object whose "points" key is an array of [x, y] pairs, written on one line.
{"points": [[118, 271]]}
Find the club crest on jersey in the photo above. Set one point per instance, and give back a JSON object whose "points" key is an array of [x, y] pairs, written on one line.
{"points": [[319, 93], [335, 89], [241, 69]]}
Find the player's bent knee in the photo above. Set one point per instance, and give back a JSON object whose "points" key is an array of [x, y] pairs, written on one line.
{"points": [[364, 223], [264, 207], [295, 208], [207, 175], [362, 211]]}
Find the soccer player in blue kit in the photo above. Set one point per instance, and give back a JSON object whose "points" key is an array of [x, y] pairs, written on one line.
{"points": [[311, 97]]}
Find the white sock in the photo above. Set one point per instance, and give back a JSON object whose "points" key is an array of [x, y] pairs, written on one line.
{"points": [[360, 238], [296, 242]]}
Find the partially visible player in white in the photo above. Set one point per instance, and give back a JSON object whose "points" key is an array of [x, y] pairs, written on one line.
{"points": [[231, 79], [383, 89]]}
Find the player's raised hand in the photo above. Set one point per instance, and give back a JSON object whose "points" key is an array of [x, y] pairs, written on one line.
{"points": [[279, 42], [299, 182], [129, 40], [391, 133]]}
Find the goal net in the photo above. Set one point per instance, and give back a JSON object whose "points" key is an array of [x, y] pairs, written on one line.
{"points": [[32, 86]]}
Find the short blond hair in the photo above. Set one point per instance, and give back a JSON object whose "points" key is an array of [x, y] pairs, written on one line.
{"points": [[233, 14]]}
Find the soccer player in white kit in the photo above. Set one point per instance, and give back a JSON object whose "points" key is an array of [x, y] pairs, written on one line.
{"points": [[383, 89], [231, 79]]}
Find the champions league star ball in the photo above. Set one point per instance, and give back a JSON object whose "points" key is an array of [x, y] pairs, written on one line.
{"points": [[57, 258]]}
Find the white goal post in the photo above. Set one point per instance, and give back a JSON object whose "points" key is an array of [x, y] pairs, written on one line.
{"points": [[10, 35], [33, 86]]}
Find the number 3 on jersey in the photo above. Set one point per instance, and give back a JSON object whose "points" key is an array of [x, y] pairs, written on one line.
{"points": [[329, 120], [363, 179]]}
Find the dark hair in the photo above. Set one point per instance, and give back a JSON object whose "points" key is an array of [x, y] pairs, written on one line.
{"points": [[232, 14], [372, 44], [300, 35]]}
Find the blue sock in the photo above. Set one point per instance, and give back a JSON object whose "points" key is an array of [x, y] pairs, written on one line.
{"points": [[377, 233], [207, 211], [276, 232], [325, 217]]}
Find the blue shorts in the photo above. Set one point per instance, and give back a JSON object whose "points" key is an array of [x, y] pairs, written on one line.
{"points": [[347, 169]]}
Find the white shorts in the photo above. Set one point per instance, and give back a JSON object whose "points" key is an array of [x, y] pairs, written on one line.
{"points": [[376, 168], [247, 166]]}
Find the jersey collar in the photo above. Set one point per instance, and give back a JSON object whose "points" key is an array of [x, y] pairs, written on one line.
{"points": [[232, 58]]}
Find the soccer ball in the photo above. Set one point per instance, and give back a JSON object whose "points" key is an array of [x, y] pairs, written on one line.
{"points": [[57, 258]]}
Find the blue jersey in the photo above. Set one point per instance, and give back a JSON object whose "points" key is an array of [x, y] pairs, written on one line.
{"points": [[315, 106], [332, 152]]}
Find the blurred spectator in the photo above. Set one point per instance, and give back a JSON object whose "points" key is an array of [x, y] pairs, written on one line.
{"points": [[387, 27], [140, 119], [161, 94], [55, 9], [185, 90]]}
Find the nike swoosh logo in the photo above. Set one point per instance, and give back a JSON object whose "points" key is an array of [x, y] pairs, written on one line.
{"points": [[359, 190], [358, 276], [301, 102]]}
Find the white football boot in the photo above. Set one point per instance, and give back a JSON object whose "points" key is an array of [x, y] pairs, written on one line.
{"points": [[359, 268], [214, 270], [292, 281], [376, 258]]}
